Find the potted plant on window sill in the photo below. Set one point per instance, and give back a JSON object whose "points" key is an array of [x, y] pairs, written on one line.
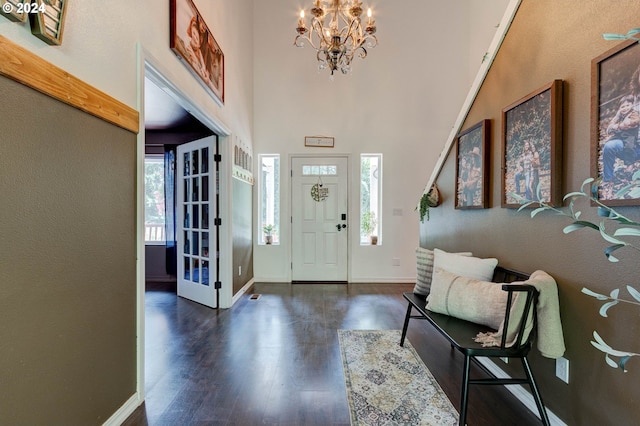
{"points": [[268, 233], [369, 224]]}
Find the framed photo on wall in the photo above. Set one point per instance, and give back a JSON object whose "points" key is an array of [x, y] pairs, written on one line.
{"points": [[532, 147], [615, 124], [192, 41], [472, 162]]}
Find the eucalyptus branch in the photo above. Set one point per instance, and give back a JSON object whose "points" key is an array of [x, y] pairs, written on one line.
{"points": [[623, 356], [631, 228], [630, 35], [613, 297]]}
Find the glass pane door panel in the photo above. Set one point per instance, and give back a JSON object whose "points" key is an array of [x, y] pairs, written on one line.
{"points": [[195, 241], [195, 162], [205, 160], [195, 208], [196, 189], [186, 164], [205, 188], [205, 216], [186, 190]]}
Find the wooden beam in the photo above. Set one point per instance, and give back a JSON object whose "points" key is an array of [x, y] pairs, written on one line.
{"points": [[21, 65]]}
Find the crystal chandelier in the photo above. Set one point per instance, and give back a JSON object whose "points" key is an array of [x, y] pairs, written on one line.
{"points": [[336, 46]]}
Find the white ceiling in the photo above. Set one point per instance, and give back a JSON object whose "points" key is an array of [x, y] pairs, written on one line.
{"points": [[161, 111]]}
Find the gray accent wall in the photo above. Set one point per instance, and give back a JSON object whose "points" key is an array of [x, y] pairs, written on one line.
{"points": [[551, 39], [67, 262]]}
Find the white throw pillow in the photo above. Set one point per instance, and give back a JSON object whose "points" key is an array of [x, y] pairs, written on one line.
{"points": [[424, 270], [466, 298], [466, 266]]}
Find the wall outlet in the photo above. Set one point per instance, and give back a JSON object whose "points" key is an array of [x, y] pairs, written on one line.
{"points": [[240, 270], [562, 369]]}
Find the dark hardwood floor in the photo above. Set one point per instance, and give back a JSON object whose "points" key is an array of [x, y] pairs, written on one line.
{"points": [[276, 360]]}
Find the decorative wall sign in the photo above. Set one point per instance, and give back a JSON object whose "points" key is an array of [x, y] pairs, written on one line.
{"points": [[47, 23], [13, 9], [320, 141]]}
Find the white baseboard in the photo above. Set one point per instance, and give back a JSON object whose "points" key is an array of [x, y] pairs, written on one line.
{"points": [[370, 280], [376, 280], [124, 412], [242, 291], [520, 392]]}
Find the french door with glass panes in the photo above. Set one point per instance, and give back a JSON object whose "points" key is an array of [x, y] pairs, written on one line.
{"points": [[196, 207]]}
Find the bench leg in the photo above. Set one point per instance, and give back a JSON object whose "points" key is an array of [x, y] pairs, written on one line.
{"points": [[464, 395], [535, 392], [406, 324]]}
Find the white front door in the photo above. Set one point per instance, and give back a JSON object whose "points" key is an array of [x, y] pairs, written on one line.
{"points": [[195, 194], [319, 218]]}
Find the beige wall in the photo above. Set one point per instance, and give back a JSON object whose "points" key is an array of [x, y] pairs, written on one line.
{"points": [[67, 263], [551, 39]]}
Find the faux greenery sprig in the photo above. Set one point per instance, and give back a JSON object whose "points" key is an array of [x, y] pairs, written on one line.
{"points": [[630, 35], [629, 228]]}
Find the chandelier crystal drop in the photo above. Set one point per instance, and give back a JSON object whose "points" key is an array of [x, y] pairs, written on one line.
{"points": [[336, 32]]}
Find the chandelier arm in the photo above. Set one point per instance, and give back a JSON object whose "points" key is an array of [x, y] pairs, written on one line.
{"points": [[372, 40], [316, 26], [299, 41], [353, 31]]}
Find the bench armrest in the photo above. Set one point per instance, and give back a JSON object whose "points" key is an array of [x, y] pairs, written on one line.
{"points": [[530, 304]]}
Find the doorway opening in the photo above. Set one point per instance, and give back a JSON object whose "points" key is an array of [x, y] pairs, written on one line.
{"points": [[159, 99]]}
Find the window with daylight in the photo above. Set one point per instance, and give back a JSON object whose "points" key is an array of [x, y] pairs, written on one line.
{"points": [[154, 200], [370, 199], [269, 220]]}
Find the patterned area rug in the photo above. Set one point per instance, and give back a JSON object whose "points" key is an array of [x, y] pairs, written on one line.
{"points": [[388, 384]]}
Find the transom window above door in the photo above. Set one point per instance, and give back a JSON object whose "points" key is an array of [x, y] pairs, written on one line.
{"points": [[319, 170]]}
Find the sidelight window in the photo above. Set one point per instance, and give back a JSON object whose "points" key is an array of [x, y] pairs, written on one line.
{"points": [[269, 220], [370, 199]]}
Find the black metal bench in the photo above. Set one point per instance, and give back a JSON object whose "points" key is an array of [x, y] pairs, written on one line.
{"points": [[461, 333]]}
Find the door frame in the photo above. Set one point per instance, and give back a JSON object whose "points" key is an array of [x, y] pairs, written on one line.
{"points": [[347, 156], [148, 66]]}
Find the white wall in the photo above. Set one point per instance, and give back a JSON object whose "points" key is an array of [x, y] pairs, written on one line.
{"points": [[401, 101], [99, 47]]}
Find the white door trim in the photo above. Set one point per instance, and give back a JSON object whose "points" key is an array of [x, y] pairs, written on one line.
{"points": [[350, 221], [149, 66]]}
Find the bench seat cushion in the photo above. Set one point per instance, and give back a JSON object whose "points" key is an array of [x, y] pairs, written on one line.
{"points": [[424, 269], [467, 298], [466, 266]]}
